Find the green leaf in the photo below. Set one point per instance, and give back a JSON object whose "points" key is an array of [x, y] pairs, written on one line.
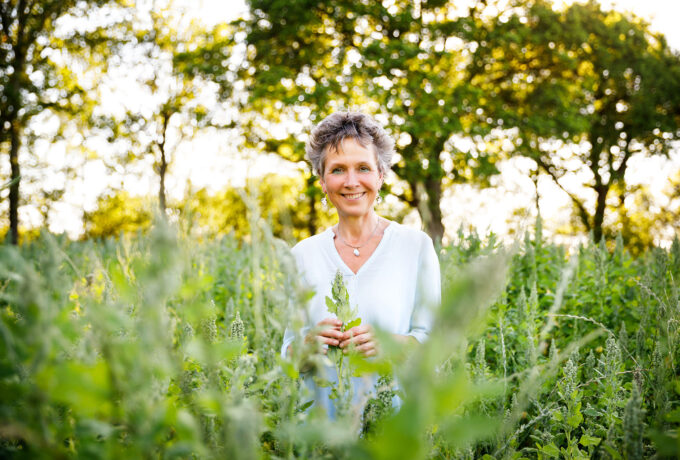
{"points": [[332, 308], [353, 323], [575, 420], [589, 440], [551, 450], [306, 405], [289, 369], [590, 412], [614, 454]]}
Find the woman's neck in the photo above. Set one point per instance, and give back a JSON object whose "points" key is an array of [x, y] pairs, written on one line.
{"points": [[357, 228]]}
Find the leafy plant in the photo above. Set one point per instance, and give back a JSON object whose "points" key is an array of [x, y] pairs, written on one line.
{"points": [[340, 307], [160, 345]]}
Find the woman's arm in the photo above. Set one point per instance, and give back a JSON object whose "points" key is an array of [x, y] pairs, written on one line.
{"points": [[428, 291], [405, 339]]}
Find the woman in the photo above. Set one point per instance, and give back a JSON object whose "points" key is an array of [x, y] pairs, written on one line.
{"points": [[391, 271]]}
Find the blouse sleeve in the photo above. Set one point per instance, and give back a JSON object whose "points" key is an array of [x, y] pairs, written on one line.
{"points": [[289, 338], [428, 291]]}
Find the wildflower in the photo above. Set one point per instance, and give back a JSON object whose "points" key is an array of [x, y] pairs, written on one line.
{"points": [[236, 328], [209, 329], [590, 365], [379, 406], [480, 360], [338, 290], [186, 333]]}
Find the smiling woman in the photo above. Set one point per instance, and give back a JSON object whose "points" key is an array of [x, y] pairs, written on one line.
{"points": [[352, 181], [391, 272]]}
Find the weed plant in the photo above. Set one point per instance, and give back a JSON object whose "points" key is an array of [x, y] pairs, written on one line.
{"points": [[161, 346]]}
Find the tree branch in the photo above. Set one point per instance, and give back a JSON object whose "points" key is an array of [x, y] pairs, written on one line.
{"points": [[402, 196], [583, 212], [621, 170]]}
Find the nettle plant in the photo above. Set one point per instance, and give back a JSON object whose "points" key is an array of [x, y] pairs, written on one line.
{"points": [[379, 406], [339, 306]]}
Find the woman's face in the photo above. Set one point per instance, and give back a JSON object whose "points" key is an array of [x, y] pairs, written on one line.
{"points": [[351, 178]]}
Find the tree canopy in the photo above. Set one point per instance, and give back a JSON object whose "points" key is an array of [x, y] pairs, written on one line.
{"points": [[35, 36], [579, 90], [586, 90], [405, 62]]}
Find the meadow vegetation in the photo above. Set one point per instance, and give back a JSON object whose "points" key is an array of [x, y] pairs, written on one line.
{"points": [[161, 345]]}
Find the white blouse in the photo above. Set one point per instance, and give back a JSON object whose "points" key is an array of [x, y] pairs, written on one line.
{"points": [[395, 290]]}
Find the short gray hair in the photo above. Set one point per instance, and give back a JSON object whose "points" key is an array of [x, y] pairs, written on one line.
{"points": [[339, 126]]}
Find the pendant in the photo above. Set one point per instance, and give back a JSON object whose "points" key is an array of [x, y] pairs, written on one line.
{"points": [[356, 252]]}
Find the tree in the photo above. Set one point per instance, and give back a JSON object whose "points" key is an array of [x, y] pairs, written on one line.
{"points": [[207, 214], [586, 90], [32, 75], [644, 220], [176, 108], [117, 213], [401, 61], [276, 199]]}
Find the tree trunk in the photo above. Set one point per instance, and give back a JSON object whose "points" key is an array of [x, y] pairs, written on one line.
{"points": [[598, 217], [15, 176], [161, 189], [163, 167], [12, 119], [311, 194], [428, 197]]}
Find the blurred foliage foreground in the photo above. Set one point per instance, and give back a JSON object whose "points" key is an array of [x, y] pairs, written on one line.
{"points": [[161, 347]]}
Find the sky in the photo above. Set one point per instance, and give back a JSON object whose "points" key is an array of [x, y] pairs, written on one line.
{"points": [[214, 161]]}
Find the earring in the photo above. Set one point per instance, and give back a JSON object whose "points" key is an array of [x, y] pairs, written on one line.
{"points": [[324, 201], [378, 199]]}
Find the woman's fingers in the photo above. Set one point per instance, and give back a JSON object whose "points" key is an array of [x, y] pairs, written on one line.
{"points": [[362, 338], [330, 327], [357, 335], [368, 348], [329, 341], [326, 328], [331, 333], [356, 340], [358, 330], [334, 322]]}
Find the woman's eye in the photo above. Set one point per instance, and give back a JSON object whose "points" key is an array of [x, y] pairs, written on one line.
{"points": [[364, 169], [336, 170]]}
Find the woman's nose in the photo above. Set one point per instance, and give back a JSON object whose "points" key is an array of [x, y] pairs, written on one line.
{"points": [[352, 179]]}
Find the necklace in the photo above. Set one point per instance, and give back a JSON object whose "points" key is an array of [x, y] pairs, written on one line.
{"points": [[356, 248]]}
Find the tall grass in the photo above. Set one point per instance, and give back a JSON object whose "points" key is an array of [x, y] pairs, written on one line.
{"points": [[160, 346]]}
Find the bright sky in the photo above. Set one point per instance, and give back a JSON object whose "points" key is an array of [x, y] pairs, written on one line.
{"points": [[214, 161]]}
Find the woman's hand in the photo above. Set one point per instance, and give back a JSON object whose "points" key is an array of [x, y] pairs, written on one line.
{"points": [[327, 332], [363, 338]]}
